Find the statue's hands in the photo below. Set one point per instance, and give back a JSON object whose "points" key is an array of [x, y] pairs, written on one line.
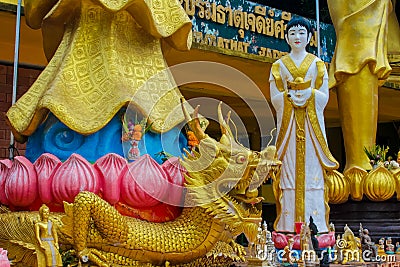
{"points": [[238, 249], [93, 255]]}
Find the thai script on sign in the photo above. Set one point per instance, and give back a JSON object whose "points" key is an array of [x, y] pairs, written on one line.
{"points": [[240, 25], [212, 40]]}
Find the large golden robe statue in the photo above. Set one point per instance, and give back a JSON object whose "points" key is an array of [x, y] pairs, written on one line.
{"points": [[359, 67], [361, 29], [102, 54]]}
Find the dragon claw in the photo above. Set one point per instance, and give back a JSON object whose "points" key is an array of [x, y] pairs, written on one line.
{"points": [[238, 249]]}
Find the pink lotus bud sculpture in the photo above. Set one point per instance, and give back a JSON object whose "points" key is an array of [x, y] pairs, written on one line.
{"points": [[144, 183], [21, 184], [5, 165], [109, 168], [76, 174], [176, 179], [45, 165]]}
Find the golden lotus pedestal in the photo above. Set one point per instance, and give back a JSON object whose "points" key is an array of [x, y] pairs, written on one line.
{"points": [[379, 184]]}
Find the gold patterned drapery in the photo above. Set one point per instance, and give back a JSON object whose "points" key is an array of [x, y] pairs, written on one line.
{"points": [[103, 55], [361, 30]]}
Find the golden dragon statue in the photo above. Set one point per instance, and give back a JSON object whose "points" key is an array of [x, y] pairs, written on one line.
{"points": [[221, 189]]}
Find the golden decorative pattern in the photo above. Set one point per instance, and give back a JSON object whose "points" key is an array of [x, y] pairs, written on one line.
{"points": [[104, 61], [188, 237], [300, 189], [287, 113], [368, 21], [312, 115], [300, 71], [326, 204], [379, 184], [275, 69], [355, 176], [396, 176], [299, 84], [320, 74], [276, 187], [201, 236], [337, 187]]}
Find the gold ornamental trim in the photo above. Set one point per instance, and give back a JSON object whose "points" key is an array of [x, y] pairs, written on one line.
{"points": [[312, 114], [276, 187], [356, 176], [299, 84], [379, 184], [327, 208], [300, 71], [337, 186], [91, 77], [277, 76], [300, 117], [320, 74], [287, 113]]}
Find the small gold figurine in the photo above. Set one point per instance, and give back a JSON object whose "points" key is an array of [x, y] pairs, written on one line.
{"points": [[287, 256], [305, 238], [46, 235], [352, 246], [381, 247]]}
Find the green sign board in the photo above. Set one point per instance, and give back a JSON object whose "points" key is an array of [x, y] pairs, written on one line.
{"points": [[249, 27]]}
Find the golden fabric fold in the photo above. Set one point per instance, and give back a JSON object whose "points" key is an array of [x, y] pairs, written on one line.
{"points": [[361, 32], [105, 61], [300, 71], [320, 75], [277, 76]]}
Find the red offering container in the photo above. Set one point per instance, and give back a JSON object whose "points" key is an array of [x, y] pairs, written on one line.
{"points": [[297, 226]]}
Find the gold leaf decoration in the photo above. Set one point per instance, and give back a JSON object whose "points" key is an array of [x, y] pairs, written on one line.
{"points": [[396, 176], [355, 176], [338, 187], [379, 184]]}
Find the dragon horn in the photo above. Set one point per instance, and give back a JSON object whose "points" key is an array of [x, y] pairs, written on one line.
{"points": [[225, 129], [268, 148], [194, 123], [228, 117]]}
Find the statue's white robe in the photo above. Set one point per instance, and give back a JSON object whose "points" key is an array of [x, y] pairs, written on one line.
{"points": [[317, 157]]}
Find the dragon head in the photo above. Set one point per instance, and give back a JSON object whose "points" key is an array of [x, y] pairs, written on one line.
{"points": [[224, 176]]}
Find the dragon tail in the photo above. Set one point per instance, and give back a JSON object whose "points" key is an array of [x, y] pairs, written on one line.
{"points": [[18, 238]]}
